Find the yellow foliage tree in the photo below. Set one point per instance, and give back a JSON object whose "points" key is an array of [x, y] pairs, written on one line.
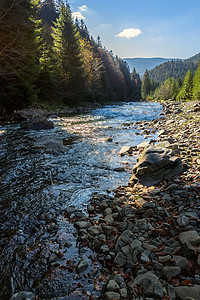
{"points": [[91, 65]]}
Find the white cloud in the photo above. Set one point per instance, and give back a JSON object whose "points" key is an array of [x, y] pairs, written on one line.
{"points": [[83, 8], [78, 15], [129, 33]]}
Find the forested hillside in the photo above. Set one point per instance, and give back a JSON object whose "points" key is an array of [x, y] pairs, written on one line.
{"points": [[174, 68], [46, 57], [187, 88]]}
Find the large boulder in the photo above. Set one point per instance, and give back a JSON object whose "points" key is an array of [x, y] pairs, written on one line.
{"points": [[34, 119], [154, 165]]}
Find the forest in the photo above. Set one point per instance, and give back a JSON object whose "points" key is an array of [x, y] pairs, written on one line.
{"points": [[177, 80], [47, 58]]}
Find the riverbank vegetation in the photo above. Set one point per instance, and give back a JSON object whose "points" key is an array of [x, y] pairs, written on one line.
{"points": [[48, 58]]}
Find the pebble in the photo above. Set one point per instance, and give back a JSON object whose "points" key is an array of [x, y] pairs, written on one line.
{"points": [[120, 259], [81, 266], [171, 271], [81, 225], [112, 286], [111, 296]]}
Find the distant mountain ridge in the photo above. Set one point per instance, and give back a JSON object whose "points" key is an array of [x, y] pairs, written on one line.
{"points": [[141, 64]]}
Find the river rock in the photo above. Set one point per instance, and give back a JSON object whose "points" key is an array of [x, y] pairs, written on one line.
{"points": [[149, 281], [34, 119], [112, 286], [190, 236], [81, 225], [111, 296], [171, 271], [154, 165], [183, 221], [108, 139], [126, 150], [120, 259], [184, 292], [81, 266], [180, 261], [123, 293]]}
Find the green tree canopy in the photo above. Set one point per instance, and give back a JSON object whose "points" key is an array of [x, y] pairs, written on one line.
{"points": [[146, 85], [168, 90], [196, 84], [19, 48], [186, 91], [67, 52]]}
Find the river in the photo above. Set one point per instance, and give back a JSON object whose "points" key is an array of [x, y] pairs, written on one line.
{"points": [[38, 246]]}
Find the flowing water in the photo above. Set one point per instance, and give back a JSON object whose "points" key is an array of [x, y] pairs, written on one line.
{"points": [[38, 247]]}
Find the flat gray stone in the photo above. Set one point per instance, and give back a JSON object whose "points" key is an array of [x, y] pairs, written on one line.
{"points": [[111, 296], [190, 236], [81, 225], [188, 291], [171, 271]]}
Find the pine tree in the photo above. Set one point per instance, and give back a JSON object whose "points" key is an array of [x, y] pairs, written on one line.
{"points": [[99, 43], [46, 83], [136, 84], [186, 91], [67, 54], [146, 85], [19, 48], [196, 84]]}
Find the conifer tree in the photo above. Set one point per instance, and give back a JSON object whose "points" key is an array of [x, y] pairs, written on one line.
{"points": [[46, 83], [186, 91], [146, 85], [136, 84], [67, 55], [99, 43], [196, 84], [19, 47]]}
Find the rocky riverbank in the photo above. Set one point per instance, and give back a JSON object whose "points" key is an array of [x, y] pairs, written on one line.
{"points": [[148, 237]]}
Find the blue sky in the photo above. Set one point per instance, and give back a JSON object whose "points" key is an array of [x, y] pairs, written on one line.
{"points": [[143, 28]]}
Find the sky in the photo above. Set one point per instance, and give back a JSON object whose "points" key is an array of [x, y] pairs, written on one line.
{"points": [[143, 28]]}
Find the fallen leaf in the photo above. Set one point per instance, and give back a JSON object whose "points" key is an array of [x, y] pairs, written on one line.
{"points": [[96, 286], [187, 282]]}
